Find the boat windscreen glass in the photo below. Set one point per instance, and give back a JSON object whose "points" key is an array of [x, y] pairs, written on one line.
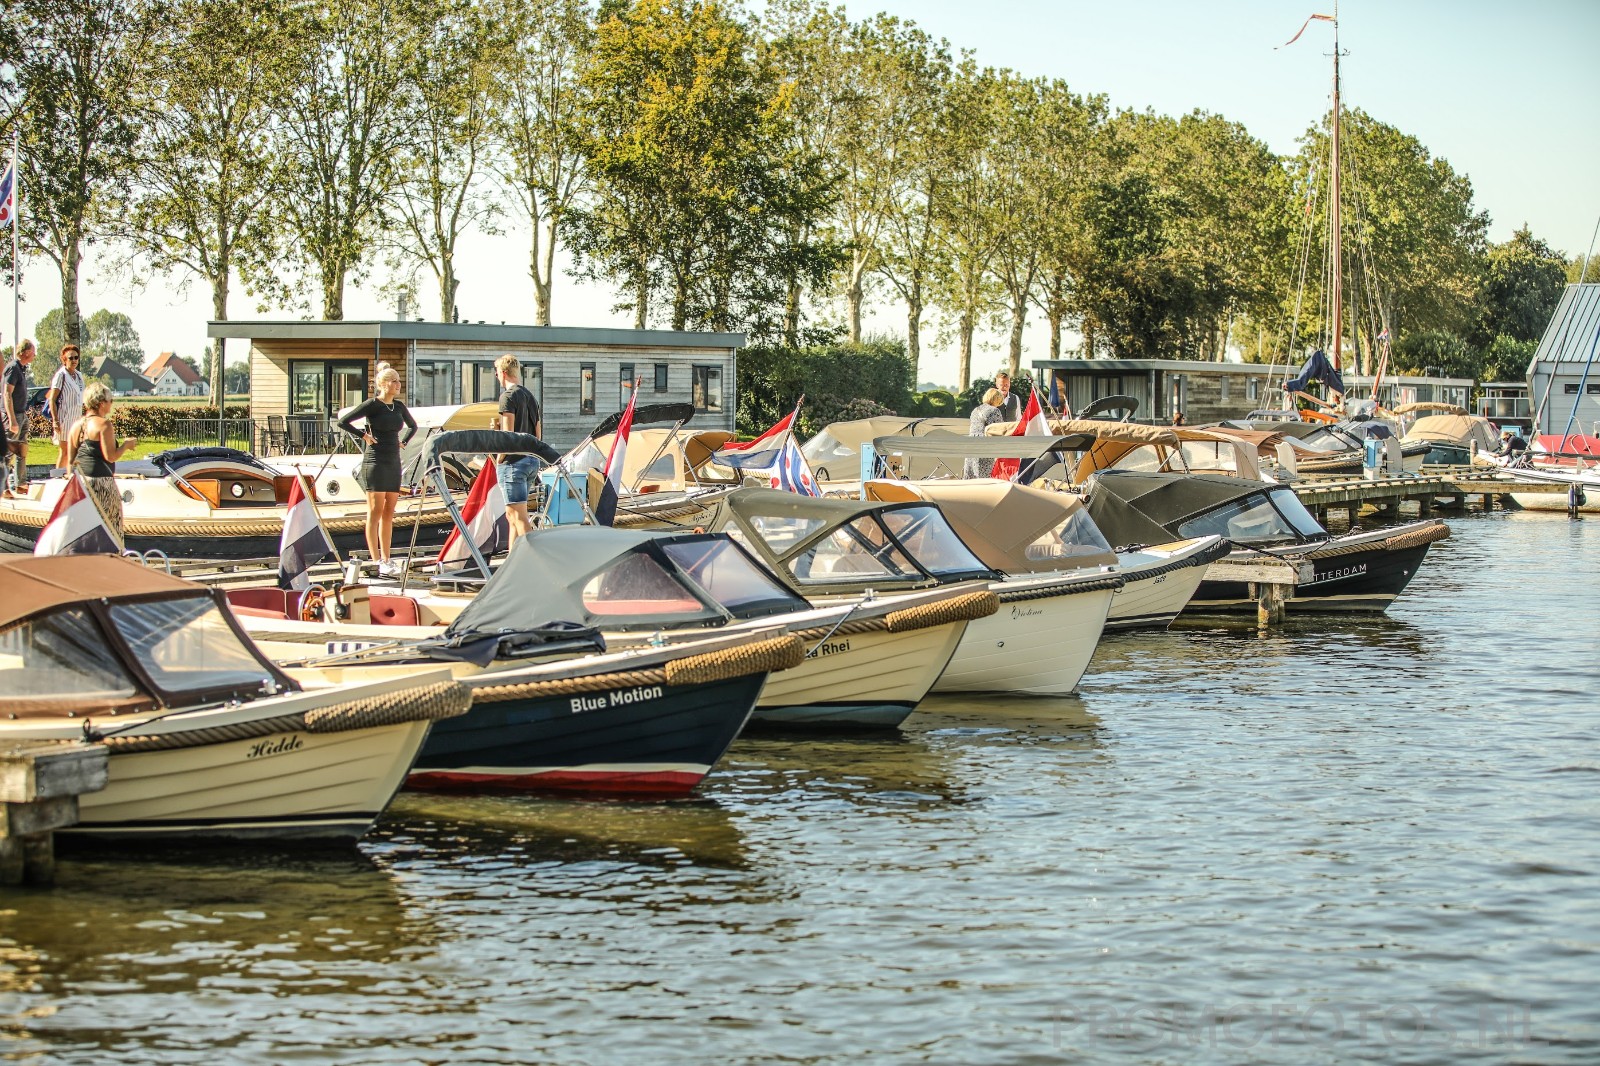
{"points": [[781, 532], [926, 534], [638, 587], [858, 551], [1304, 522], [62, 655], [1251, 518], [186, 645], [1078, 535], [733, 579]]}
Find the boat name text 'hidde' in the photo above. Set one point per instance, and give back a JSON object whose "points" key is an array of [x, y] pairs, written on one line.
{"points": [[275, 746], [617, 698]]}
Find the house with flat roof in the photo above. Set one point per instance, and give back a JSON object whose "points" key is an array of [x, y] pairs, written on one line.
{"points": [[578, 375], [1212, 392]]}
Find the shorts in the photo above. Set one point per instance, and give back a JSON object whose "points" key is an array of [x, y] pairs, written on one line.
{"points": [[514, 476]]}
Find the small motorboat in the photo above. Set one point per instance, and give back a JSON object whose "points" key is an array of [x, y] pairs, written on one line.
{"points": [[1039, 642], [870, 658], [1356, 571], [219, 503], [1453, 437], [1020, 530], [207, 738]]}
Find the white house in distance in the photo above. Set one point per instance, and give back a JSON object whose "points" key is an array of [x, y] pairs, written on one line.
{"points": [[172, 376]]}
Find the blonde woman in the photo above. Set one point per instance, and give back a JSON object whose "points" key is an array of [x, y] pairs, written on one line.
{"points": [[385, 415], [984, 415], [93, 451]]}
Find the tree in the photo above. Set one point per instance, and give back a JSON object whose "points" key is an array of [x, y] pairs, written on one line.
{"points": [[76, 80], [111, 335], [340, 142], [49, 334], [536, 124], [1436, 351], [1523, 282], [1074, 152], [698, 181], [451, 86], [202, 205]]}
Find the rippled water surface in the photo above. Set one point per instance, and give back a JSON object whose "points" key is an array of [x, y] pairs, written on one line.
{"points": [[1370, 839]]}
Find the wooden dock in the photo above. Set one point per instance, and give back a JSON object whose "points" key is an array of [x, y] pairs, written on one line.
{"points": [[39, 788], [1435, 489]]}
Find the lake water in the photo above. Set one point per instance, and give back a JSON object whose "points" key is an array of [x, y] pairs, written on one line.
{"points": [[1374, 839]]}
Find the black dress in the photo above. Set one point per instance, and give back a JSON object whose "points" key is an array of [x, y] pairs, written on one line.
{"points": [[380, 462]]}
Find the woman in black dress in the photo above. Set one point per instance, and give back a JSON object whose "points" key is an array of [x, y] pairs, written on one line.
{"points": [[380, 461]]}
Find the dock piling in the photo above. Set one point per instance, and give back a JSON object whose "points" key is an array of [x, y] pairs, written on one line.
{"points": [[39, 789]]}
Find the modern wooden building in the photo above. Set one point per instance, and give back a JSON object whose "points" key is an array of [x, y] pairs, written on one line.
{"points": [[1211, 392], [578, 375]]}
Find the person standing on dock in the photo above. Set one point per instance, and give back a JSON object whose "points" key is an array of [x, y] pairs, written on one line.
{"points": [[92, 450], [65, 400], [519, 413], [14, 413], [385, 415], [1010, 406]]}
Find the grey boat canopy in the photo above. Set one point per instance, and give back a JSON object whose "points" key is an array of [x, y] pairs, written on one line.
{"points": [[822, 545], [623, 579], [1143, 507]]}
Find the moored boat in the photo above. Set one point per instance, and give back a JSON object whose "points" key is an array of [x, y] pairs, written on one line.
{"points": [[207, 738]]}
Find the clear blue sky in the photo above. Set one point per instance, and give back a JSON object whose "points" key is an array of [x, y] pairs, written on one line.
{"points": [[1503, 89]]}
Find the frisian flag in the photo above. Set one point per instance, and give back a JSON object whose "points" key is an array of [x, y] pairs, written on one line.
{"points": [[484, 516], [305, 543], [1031, 424], [76, 526], [8, 195], [605, 511]]}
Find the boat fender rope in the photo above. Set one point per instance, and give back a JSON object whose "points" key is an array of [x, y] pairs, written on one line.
{"points": [[968, 607], [1090, 585], [442, 699], [762, 657]]}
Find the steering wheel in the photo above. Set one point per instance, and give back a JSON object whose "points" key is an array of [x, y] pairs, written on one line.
{"points": [[312, 602]]}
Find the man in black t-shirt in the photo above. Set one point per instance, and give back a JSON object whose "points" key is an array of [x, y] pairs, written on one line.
{"points": [[519, 413], [14, 415]]}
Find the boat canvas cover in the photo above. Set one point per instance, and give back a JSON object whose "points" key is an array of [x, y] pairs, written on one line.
{"points": [[484, 442], [1460, 429], [673, 459], [1137, 507], [941, 444], [37, 584], [750, 514], [835, 452], [999, 520], [1130, 432]]}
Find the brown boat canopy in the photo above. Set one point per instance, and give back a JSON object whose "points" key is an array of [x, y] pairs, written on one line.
{"points": [[35, 584], [1436, 408], [1011, 527]]}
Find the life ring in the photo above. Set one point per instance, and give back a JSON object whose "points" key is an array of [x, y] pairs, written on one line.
{"points": [[312, 602]]}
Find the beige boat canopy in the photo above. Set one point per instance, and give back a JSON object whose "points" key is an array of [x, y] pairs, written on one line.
{"points": [[1015, 528], [670, 458], [1440, 408], [1178, 449], [835, 452], [1128, 432], [1463, 429]]}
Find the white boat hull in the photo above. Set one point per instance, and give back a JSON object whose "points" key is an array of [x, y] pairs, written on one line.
{"points": [[862, 680], [1037, 646]]}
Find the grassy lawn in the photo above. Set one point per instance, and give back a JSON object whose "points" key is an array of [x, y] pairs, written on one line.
{"points": [[42, 452]]}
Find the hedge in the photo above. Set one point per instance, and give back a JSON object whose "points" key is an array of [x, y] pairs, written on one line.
{"points": [[839, 381], [148, 421]]}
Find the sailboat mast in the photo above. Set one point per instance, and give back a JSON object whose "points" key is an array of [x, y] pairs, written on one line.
{"points": [[1334, 223]]}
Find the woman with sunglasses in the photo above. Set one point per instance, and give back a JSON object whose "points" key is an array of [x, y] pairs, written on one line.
{"points": [[385, 417], [65, 402]]}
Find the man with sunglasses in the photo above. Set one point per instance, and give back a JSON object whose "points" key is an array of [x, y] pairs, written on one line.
{"points": [[64, 400], [14, 412]]}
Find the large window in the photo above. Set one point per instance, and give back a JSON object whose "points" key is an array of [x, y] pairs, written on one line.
{"points": [[307, 387], [708, 388], [434, 383], [586, 389]]}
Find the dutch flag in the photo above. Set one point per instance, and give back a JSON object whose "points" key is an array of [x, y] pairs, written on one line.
{"points": [[484, 516], [304, 543], [76, 526], [1032, 424], [605, 512]]}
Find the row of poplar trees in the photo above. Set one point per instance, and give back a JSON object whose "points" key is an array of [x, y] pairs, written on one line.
{"points": [[717, 170]]}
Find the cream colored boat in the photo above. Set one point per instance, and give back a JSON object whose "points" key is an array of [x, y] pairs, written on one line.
{"points": [[206, 738]]}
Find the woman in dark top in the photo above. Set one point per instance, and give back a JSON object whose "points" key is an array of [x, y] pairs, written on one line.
{"points": [[93, 451], [380, 462]]}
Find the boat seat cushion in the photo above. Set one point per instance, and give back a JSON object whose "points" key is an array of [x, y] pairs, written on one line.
{"points": [[393, 610]]}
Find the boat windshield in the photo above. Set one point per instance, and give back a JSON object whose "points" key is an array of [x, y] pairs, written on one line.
{"points": [[857, 551], [187, 646], [927, 535], [732, 579], [638, 586], [63, 656], [781, 532], [1078, 535], [1251, 518], [1304, 522]]}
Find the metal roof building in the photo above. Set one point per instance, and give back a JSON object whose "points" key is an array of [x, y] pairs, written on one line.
{"points": [[1564, 377]]}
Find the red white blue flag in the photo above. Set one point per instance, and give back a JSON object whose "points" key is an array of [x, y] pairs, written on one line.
{"points": [[8, 196], [76, 526], [305, 543], [1032, 424], [783, 467], [484, 516], [767, 439], [605, 511]]}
